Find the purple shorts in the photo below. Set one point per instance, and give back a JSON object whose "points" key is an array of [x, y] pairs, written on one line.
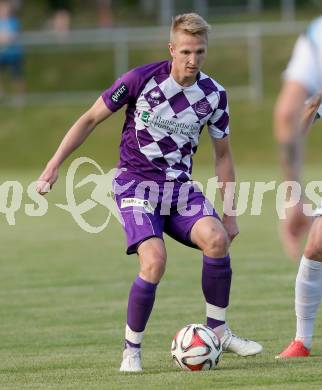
{"points": [[148, 209]]}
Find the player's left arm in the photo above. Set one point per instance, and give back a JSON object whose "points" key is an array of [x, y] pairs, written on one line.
{"points": [[225, 172], [288, 114]]}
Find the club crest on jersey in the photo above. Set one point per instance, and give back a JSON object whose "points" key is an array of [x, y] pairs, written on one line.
{"points": [[119, 93], [155, 94], [154, 97], [203, 107]]}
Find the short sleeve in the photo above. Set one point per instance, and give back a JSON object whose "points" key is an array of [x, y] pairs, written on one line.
{"points": [[303, 65], [122, 91], [218, 123]]}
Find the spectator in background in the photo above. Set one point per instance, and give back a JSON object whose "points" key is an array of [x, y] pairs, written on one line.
{"points": [[11, 54], [60, 20], [104, 11]]}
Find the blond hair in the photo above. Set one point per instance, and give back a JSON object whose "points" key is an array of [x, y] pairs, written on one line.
{"points": [[191, 23]]}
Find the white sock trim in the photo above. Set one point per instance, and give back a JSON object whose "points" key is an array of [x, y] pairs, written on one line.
{"points": [[215, 312], [133, 337]]}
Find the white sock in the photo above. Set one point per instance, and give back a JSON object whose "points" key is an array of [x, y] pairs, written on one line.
{"points": [[133, 339], [307, 298]]}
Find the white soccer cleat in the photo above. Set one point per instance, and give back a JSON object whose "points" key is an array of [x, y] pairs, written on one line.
{"points": [[131, 360], [242, 347]]}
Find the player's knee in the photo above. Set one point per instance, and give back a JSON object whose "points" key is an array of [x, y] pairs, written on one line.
{"points": [[217, 243], [154, 268], [313, 252], [313, 248]]}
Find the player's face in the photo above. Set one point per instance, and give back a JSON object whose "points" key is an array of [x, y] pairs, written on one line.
{"points": [[188, 53]]}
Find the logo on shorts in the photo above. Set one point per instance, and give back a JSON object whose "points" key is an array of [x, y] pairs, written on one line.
{"points": [[119, 93], [203, 107], [130, 202]]}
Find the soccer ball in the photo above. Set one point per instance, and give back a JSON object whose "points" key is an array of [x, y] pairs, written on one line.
{"points": [[196, 347]]}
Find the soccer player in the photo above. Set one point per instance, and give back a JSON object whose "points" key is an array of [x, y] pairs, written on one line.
{"points": [[303, 78], [168, 104]]}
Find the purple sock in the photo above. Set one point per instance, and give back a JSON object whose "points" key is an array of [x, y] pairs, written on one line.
{"points": [[216, 280], [140, 303]]}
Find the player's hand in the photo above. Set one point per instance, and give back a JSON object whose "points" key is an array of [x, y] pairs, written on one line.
{"points": [[230, 224], [310, 110], [47, 179], [292, 230], [314, 103]]}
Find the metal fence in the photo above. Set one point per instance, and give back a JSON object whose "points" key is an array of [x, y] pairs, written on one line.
{"points": [[121, 38], [167, 8]]}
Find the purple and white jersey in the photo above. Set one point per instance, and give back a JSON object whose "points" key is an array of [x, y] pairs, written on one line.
{"points": [[164, 120]]}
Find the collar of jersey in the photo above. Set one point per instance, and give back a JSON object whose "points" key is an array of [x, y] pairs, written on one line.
{"points": [[181, 86]]}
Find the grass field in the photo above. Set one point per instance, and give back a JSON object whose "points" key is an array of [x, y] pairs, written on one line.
{"points": [[63, 295], [63, 292]]}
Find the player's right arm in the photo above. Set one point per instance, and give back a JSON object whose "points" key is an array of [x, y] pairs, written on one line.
{"points": [[123, 91], [293, 119], [72, 140]]}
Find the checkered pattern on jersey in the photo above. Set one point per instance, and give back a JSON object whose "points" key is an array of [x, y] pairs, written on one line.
{"points": [[169, 120]]}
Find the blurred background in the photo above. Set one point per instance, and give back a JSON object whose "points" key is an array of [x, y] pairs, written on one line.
{"points": [[59, 55], [63, 291]]}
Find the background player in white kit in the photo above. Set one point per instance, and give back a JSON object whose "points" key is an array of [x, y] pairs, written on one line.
{"points": [[168, 104], [303, 78]]}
